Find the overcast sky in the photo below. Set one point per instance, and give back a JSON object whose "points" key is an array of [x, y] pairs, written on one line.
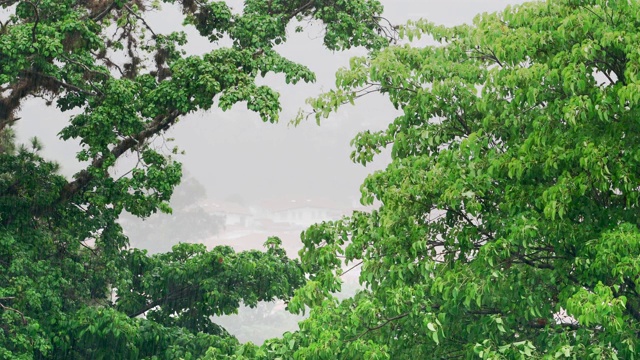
{"points": [[234, 153]]}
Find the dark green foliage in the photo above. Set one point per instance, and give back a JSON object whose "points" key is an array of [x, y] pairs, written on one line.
{"points": [[70, 288]]}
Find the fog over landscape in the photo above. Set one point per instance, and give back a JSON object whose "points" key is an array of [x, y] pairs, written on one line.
{"points": [[245, 180]]}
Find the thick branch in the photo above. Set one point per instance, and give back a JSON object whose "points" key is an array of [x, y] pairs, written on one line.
{"points": [[19, 91], [300, 9], [31, 81], [35, 23], [60, 83], [84, 177], [100, 15]]}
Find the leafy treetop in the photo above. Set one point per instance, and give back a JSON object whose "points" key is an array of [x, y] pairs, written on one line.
{"points": [[69, 286], [508, 224]]}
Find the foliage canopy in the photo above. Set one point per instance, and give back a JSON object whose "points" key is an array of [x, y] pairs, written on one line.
{"points": [[70, 288], [508, 218]]}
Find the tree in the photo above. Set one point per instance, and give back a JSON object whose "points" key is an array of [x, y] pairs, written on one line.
{"points": [[70, 287], [508, 224], [7, 143]]}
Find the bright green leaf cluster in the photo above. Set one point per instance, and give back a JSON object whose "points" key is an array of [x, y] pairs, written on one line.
{"points": [[508, 218]]}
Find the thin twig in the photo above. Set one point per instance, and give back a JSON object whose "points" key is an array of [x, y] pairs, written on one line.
{"points": [[141, 19], [379, 326], [353, 267]]}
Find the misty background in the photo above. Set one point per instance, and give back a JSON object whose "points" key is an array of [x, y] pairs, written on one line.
{"points": [[245, 180]]}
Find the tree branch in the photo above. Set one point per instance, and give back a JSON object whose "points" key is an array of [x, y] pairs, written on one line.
{"points": [[300, 8], [385, 323], [84, 177], [99, 16], [130, 10], [60, 83], [163, 300], [7, 308], [35, 24], [19, 91], [353, 267]]}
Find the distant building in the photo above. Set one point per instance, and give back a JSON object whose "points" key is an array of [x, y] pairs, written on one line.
{"points": [[275, 213], [248, 227], [233, 214], [300, 212]]}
